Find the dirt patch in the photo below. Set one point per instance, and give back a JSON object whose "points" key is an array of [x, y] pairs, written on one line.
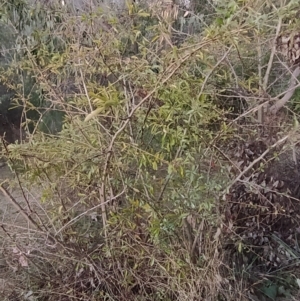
{"points": [[10, 214], [16, 232]]}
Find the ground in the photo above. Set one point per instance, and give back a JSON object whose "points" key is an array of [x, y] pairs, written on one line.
{"points": [[14, 230]]}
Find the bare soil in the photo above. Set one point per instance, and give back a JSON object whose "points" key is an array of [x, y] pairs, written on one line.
{"points": [[15, 231]]}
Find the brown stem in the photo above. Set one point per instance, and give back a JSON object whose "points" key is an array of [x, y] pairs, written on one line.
{"points": [[289, 93]]}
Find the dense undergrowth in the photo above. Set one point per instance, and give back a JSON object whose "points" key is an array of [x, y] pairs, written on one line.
{"points": [[131, 125]]}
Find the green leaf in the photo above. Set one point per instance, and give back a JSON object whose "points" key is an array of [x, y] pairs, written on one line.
{"points": [[270, 290], [240, 247], [93, 114], [219, 21], [143, 14]]}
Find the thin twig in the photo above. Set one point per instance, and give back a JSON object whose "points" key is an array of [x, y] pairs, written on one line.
{"points": [[13, 201], [73, 220], [270, 63], [198, 237], [258, 159], [85, 90], [212, 70]]}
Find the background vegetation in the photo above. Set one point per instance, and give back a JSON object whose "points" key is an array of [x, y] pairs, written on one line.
{"points": [[123, 124]]}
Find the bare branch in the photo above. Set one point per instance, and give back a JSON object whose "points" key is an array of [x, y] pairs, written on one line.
{"points": [[266, 77], [258, 159], [72, 221], [289, 93]]}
